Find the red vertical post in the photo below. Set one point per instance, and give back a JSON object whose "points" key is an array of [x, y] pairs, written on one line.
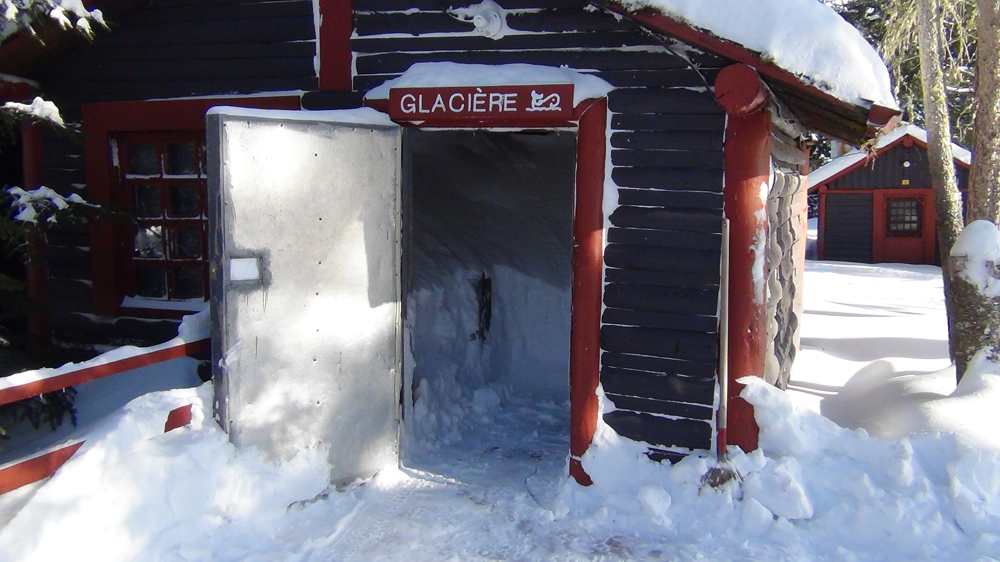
{"points": [[36, 268], [748, 168], [878, 227], [821, 231], [335, 57], [588, 261]]}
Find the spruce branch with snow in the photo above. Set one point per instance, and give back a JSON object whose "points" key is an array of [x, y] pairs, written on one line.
{"points": [[32, 213], [17, 15]]}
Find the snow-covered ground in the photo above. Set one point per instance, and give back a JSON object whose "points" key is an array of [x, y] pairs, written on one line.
{"points": [[874, 355]]}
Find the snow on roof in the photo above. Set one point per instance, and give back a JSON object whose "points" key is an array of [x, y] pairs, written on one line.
{"points": [[838, 165], [445, 74], [803, 37]]}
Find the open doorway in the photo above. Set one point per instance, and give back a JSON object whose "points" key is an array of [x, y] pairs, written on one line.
{"points": [[488, 266]]}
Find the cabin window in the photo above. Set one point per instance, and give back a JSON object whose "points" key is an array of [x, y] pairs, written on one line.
{"points": [[903, 216], [162, 183]]}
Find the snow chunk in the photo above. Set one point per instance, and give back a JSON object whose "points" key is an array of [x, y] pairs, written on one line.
{"points": [[29, 205], [38, 108], [804, 37], [445, 74], [979, 244]]}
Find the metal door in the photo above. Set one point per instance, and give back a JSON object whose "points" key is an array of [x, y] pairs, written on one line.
{"points": [[305, 279]]}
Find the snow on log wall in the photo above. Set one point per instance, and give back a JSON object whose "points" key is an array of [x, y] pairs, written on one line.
{"points": [[659, 334], [168, 48]]}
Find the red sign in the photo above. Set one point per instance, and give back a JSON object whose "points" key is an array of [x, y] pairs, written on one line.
{"points": [[482, 104]]}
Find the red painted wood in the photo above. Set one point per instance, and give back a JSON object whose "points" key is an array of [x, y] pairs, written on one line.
{"points": [[111, 244], [58, 382], [588, 261], [739, 90], [526, 104], [16, 91], [178, 417], [335, 57], [821, 231], [878, 227], [32, 470], [747, 171], [38, 468], [930, 228]]}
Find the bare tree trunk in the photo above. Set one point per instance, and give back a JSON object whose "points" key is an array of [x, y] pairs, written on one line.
{"points": [[948, 201], [985, 178], [978, 317]]}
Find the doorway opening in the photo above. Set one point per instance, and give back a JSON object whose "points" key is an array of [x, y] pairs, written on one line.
{"points": [[488, 283]]}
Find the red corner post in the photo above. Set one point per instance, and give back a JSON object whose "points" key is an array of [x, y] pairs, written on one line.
{"points": [[741, 93], [336, 25], [36, 268], [588, 261]]}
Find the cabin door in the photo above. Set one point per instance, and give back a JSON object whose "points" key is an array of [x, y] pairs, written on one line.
{"points": [[905, 230], [305, 279]]}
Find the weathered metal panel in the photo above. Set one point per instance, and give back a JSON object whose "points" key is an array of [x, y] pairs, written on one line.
{"points": [[308, 351]]}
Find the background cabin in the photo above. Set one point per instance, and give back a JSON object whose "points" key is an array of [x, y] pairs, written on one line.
{"points": [[881, 209]]}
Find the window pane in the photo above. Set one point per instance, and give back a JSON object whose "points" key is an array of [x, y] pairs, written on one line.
{"points": [[149, 242], [142, 160], [146, 199], [188, 283], [186, 242], [151, 282], [179, 159], [183, 200]]}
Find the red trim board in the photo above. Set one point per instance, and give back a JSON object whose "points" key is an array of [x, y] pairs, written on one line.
{"points": [[63, 380], [747, 167], [40, 467], [588, 288], [335, 56], [36, 468]]}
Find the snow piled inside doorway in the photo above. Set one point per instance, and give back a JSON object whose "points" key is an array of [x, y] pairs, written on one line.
{"points": [[497, 207]]}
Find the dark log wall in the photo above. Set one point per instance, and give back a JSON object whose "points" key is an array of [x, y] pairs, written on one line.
{"points": [[889, 170], [848, 235], [169, 48], [659, 334]]}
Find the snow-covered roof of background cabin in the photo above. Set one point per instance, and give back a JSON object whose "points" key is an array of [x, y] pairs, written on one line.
{"points": [[804, 37], [849, 160]]}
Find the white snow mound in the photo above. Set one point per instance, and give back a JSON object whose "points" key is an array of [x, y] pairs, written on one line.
{"points": [[804, 37]]}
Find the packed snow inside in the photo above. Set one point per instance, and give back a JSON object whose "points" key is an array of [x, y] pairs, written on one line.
{"points": [[488, 309], [498, 490]]}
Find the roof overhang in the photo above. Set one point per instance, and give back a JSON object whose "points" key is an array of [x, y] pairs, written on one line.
{"points": [[856, 124]]}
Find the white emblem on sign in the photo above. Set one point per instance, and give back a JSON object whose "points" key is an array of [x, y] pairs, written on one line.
{"points": [[541, 102]]}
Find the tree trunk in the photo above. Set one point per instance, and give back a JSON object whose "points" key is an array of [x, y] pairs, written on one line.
{"points": [[985, 178], [978, 317], [942, 168]]}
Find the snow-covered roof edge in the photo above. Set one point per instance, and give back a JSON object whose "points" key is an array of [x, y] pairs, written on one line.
{"points": [[805, 38], [849, 160]]}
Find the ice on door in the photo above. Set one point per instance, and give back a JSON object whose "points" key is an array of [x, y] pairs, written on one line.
{"points": [[305, 258]]}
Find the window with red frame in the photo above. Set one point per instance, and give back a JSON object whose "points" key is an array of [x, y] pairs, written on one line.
{"points": [[903, 216], [162, 182]]}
